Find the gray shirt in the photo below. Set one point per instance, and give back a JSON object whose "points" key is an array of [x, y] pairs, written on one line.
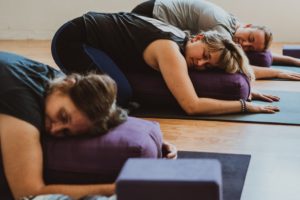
{"points": [[195, 16]]}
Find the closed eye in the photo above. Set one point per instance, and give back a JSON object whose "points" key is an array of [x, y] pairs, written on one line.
{"points": [[64, 133], [251, 38], [63, 116]]}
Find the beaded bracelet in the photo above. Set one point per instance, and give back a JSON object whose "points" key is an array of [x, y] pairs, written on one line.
{"points": [[243, 104]]}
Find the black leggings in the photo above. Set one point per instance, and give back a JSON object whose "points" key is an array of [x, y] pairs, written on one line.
{"points": [[73, 55], [68, 48], [145, 8]]}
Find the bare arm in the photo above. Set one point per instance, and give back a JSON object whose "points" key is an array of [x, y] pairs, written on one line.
{"points": [[22, 159], [266, 72], [287, 60], [165, 55]]}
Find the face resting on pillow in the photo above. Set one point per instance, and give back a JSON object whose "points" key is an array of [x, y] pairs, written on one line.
{"points": [[79, 104]]}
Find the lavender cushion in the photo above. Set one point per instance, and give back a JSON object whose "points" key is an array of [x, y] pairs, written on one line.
{"points": [[291, 50], [262, 59], [99, 159], [151, 88]]}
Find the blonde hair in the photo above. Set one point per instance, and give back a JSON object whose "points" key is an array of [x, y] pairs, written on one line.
{"points": [[94, 95], [233, 58]]}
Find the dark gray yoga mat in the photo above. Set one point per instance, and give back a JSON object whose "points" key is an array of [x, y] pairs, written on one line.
{"points": [[289, 112], [234, 170]]}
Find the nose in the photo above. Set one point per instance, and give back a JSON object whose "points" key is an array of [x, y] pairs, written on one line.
{"points": [[246, 45], [201, 62], [56, 128]]}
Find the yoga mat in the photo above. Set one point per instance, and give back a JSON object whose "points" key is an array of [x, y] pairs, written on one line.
{"points": [[288, 68], [234, 170], [289, 112]]}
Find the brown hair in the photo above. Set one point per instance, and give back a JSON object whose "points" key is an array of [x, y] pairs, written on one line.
{"points": [[94, 95]]}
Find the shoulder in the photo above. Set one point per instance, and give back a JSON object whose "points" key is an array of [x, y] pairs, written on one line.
{"points": [[21, 102], [12, 125], [162, 47], [161, 50]]}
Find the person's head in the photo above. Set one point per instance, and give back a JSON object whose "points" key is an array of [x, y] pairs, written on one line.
{"points": [[253, 38], [212, 50], [82, 104]]}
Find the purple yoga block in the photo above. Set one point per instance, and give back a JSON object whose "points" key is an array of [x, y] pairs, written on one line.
{"points": [[291, 50], [162, 179]]}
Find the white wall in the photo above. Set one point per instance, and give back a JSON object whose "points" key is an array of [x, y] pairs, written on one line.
{"points": [[281, 16], [39, 19]]}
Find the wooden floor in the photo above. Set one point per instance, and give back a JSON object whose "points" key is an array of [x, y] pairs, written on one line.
{"points": [[274, 172]]}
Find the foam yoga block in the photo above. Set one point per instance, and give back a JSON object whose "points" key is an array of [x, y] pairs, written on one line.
{"points": [[291, 50], [154, 179]]}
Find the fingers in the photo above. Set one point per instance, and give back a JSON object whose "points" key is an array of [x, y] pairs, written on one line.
{"points": [[253, 108], [270, 109], [290, 76], [170, 150], [269, 98]]}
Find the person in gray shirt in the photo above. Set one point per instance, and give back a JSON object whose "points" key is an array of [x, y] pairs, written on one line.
{"points": [[201, 15]]}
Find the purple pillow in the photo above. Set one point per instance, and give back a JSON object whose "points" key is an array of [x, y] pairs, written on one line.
{"points": [[262, 59], [151, 88], [99, 159]]}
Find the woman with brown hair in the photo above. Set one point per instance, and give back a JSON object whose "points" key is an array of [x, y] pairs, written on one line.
{"points": [[36, 99]]}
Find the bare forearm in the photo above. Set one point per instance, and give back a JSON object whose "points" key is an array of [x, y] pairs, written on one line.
{"points": [[264, 72], [207, 106]]}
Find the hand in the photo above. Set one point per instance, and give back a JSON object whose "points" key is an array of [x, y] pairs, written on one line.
{"points": [[169, 150], [254, 108], [255, 95], [283, 74]]}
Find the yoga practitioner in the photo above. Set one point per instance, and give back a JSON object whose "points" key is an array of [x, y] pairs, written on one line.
{"points": [[36, 99], [201, 15], [137, 43]]}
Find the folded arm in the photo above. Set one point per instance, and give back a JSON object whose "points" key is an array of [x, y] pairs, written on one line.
{"points": [[174, 70], [23, 163]]}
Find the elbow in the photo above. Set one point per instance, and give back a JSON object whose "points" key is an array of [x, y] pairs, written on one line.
{"points": [[192, 109], [27, 191], [190, 112]]}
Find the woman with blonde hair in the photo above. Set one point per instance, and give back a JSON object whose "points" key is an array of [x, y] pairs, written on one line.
{"points": [[141, 44]]}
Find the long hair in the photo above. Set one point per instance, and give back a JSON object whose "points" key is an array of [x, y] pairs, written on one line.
{"points": [[95, 96]]}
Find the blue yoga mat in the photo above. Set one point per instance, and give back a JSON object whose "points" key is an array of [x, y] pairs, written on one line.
{"points": [[289, 112], [234, 170]]}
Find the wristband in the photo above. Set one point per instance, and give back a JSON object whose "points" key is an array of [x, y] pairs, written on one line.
{"points": [[243, 105]]}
